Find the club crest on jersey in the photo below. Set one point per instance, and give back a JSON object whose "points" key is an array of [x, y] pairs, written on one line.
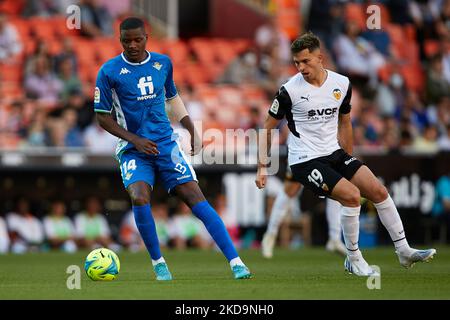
{"points": [[337, 94], [157, 66], [97, 95]]}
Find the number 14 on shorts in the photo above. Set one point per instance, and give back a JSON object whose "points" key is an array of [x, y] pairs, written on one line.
{"points": [[127, 169]]}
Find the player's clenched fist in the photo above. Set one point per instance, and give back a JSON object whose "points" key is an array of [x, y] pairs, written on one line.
{"points": [[261, 177]]}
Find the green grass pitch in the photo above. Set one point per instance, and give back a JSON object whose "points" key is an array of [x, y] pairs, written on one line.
{"points": [[291, 274]]}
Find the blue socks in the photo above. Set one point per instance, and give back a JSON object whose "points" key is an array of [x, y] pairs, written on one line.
{"points": [[147, 229], [203, 211], [216, 228]]}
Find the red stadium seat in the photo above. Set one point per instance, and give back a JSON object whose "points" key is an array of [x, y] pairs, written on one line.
{"points": [[11, 73], [432, 47], [42, 28], [355, 12], [414, 77]]}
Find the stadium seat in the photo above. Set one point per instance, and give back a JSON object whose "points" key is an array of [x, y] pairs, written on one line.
{"points": [[178, 51], [355, 12], [414, 77], [432, 47], [42, 28], [11, 73]]}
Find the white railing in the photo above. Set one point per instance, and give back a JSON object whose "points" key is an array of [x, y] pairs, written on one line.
{"points": [[162, 14]]}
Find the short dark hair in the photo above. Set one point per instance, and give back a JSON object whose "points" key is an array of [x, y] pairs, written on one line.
{"points": [[132, 23], [306, 41]]}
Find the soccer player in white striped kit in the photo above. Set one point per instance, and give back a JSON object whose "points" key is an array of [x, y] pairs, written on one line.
{"points": [[316, 104]]}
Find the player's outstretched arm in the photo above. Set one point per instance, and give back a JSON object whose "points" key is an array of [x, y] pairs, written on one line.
{"points": [[144, 145], [181, 115], [345, 132], [264, 144]]}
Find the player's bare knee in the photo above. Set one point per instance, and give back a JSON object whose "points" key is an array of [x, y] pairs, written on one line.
{"points": [[379, 194], [351, 198], [139, 200]]}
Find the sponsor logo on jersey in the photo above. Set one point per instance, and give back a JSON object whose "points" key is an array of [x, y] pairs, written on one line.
{"points": [[337, 94], [275, 106], [157, 66], [97, 95], [124, 71], [304, 98], [322, 112], [145, 84]]}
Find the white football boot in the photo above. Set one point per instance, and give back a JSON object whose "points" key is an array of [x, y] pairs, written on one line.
{"points": [[267, 244], [408, 260], [358, 266]]}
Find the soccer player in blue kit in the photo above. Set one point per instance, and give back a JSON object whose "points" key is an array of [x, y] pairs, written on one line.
{"points": [[136, 84]]}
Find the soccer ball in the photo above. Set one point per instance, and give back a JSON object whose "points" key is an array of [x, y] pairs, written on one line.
{"points": [[102, 264]]}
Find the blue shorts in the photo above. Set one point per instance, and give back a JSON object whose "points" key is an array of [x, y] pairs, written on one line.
{"points": [[171, 165]]}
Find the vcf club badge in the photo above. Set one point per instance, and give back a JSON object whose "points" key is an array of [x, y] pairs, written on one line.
{"points": [[337, 94]]}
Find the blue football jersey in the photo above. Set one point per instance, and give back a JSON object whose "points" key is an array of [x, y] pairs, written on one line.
{"points": [[137, 92]]}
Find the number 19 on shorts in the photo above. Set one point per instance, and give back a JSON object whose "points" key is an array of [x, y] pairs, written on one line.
{"points": [[316, 177]]}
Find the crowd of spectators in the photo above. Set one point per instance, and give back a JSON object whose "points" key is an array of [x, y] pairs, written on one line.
{"points": [[60, 228]]}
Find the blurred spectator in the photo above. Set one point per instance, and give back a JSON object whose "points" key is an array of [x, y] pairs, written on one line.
{"points": [[4, 237], [228, 218], [390, 97], [406, 140], [129, 233], [26, 231], [437, 86], [40, 52], [42, 84], [10, 45], [243, 69], [441, 206], [326, 20], [187, 230], [69, 78], [38, 134], [67, 52], [399, 11], [444, 140], [414, 111], [12, 120], [73, 135], [42, 8], [428, 142], [161, 215], [98, 140], [357, 57], [77, 101], [91, 228], [272, 41], [442, 24], [95, 19], [424, 13], [255, 120], [116, 8], [59, 229]]}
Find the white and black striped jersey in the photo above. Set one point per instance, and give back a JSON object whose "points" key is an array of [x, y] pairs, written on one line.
{"points": [[312, 114]]}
